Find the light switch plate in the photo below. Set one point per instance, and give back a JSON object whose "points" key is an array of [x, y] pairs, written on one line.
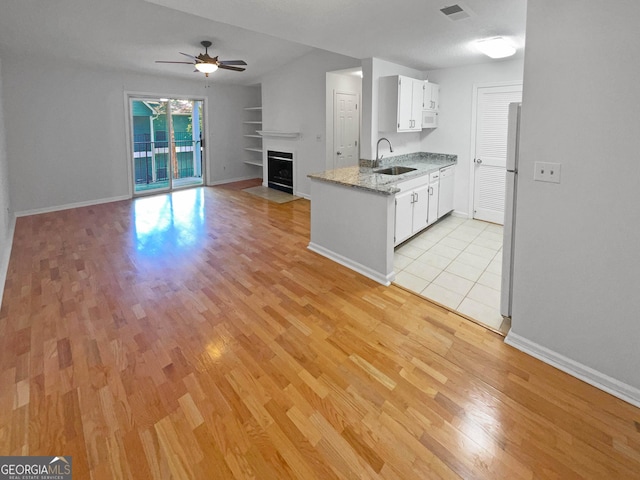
{"points": [[547, 172]]}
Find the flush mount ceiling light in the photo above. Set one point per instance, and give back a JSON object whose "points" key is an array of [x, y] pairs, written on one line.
{"points": [[206, 67], [495, 47]]}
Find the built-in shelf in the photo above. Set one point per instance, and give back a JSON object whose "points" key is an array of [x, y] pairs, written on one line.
{"points": [[253, 120], [276, 133]]}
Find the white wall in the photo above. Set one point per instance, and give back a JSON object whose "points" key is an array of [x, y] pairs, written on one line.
{"points": [[226, 114], [372, 70], [294, 100], [454, 134], [65, 130], [6, 215], [337, 82], [577, 262]]}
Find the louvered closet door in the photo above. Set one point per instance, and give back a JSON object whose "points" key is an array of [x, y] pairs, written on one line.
{"points": [[491, 150]]}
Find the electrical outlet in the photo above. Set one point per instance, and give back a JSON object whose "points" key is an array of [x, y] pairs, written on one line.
{"points": [[547, 172]]}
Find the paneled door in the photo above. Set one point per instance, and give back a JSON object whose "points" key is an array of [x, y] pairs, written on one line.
{"points": [[489, 171], [346, 130]]}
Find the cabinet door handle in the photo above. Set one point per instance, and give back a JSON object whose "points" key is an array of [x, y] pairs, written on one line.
{"points": [[430, 190], [416, 197]]}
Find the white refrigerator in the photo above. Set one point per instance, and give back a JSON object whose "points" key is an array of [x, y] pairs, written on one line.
{"points": [[513, 150]]}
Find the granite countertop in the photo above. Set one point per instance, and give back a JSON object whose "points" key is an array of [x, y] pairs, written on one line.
{"points": [[363, 177]]}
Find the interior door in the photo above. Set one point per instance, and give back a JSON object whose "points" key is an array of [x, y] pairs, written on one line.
{"points": [[492, 111], [346, 130]]}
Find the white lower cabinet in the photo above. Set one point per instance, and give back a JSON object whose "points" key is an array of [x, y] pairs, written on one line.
{"points": [[404, 217], [445, 198], [416, 206], [412, 208]]}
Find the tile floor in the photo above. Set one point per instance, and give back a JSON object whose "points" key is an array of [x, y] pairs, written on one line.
{"points": [[457, 263]]}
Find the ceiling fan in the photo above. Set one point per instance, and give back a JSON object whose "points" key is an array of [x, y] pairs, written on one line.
{"points": [[207, 64]]}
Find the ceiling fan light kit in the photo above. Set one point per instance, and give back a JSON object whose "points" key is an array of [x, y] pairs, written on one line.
{"points": [[206, 68], [207, 64]]}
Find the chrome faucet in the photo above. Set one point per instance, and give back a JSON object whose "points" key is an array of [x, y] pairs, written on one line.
{"points": [[378, 158]]}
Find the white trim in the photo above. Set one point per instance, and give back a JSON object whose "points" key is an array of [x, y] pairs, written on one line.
{"points": [[458, 214], [67, 206], [6, 255], [587, 374], [358, 267], [303, 195]]}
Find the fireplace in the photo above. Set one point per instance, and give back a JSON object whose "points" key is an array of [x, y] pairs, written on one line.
{"points": [[280, 170]]}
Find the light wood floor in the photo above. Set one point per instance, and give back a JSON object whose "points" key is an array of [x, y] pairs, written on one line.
{"points": [[195, 336]]}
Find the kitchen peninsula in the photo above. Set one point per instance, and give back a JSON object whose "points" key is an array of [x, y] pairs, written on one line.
{"points": [[353, 210]]}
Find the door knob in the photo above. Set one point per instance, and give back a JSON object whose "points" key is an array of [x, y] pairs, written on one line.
{"points": [[338, 153], [478, 161]]}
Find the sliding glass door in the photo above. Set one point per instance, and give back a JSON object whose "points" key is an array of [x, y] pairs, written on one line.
{"points": [[167, 147]]}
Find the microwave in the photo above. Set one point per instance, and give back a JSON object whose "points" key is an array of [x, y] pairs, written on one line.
{"points": [[429, 119]]}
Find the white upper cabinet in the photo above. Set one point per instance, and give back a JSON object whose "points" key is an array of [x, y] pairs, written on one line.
{"points": [[400, 104], [431, 96]]}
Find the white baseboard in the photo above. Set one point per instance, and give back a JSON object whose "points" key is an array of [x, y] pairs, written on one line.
{"points": [[599, 380], [67, 206], [346, 262], [230, 180], [455, 213], [5, 255], [303, 195]]}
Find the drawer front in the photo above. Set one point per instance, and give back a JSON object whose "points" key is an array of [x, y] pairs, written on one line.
{"points": [[413, 183]]}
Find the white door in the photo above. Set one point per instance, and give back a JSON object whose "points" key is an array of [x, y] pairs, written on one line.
{"points": [[404, 216], [405, 103], [492, 111], [418, 102], [420, 208], [346, 130]]}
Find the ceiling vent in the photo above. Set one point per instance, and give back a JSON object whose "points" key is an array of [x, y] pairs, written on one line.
{"points": [[455, 12]]}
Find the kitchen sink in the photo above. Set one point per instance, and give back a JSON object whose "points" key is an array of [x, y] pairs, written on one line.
{"points": [[397, 170]]}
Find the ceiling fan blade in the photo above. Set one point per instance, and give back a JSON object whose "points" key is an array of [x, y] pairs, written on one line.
{"points": [[232, 62], [227, 67], [169, 61], [187, 55]]}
